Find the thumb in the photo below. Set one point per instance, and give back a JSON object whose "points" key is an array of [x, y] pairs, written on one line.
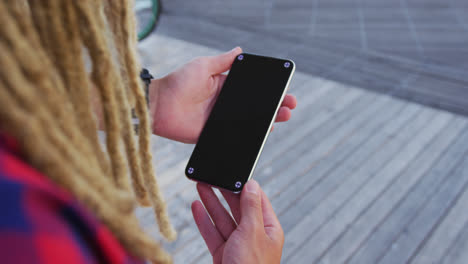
{"points": [[251, 206], [222, 62]]}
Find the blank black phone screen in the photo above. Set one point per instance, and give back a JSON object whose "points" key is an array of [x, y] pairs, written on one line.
{"points": [[233, 135]]}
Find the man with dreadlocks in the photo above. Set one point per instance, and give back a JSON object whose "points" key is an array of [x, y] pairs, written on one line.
{"points": [[66, 65]]}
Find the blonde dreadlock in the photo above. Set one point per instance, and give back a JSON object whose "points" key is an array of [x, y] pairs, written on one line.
{"points": [[45, 91]]}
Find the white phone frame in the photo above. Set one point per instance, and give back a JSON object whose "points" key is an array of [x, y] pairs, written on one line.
{"points": [[286, 89]]}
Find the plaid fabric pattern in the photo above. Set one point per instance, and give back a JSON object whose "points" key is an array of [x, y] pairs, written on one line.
{"points": [[42, 223]]}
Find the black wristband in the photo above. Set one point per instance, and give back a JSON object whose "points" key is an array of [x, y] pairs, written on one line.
{"points": [[146, 76]]}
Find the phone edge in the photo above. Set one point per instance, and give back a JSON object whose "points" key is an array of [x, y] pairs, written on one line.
{"points": [[286, 89]]}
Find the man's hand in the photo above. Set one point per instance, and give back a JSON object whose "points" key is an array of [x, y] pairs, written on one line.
{"points": [[181, 102], [253, 236]]}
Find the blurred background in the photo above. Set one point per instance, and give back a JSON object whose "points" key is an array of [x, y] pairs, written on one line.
{"points": [[373, 166]]}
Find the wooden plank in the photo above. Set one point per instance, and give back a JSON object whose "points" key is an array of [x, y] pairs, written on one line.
{"points": [[293, 203], [354, 171], [301, 84], [437, 242], [374, 231], [355, 204], [322, 102], [328, 112], [191, 250], [312, 131], [458, 253], [302, 159], [205, 258], [308, 149], [422, 222]]}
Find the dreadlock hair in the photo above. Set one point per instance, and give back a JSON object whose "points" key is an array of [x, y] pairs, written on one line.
{"points": [[55, 55]]}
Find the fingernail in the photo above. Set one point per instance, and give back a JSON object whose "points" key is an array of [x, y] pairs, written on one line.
{"points": [[233, 49], [252, 187]]}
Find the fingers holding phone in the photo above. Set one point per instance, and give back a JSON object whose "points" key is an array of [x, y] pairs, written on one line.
{"points": [[252, 234]]}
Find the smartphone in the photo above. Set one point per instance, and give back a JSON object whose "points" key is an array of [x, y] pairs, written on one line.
{"points": [[239, 123]]}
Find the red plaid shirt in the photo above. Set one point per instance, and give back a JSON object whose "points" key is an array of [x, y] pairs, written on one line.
{"points": [[42, 223]]}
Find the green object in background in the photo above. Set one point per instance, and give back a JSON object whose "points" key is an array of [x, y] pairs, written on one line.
{"points": [[151, 24]]}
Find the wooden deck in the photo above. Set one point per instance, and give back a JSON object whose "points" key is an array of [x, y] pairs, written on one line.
{"points": [[356, 176]]}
